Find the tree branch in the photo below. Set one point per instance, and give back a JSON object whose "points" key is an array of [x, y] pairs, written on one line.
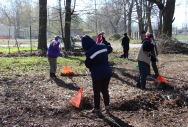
{"points": [[158, 3]]}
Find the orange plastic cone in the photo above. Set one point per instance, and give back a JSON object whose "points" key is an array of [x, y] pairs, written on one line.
{"points": [[161, 78], [76, 100], [67, 71]]}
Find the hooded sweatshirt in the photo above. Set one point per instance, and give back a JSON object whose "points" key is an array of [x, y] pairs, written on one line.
{"points": [[97, 58], [53, 50]]}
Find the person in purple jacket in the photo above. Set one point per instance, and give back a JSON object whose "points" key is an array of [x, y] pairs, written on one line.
{"points": [[97, 62], [52, 54]]}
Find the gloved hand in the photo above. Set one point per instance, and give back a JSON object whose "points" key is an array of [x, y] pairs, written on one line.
{"points": [[59, 40]]}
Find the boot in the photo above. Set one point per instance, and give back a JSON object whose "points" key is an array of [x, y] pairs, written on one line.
{"points": [[107, 110], [52, 75], [97, 112]]}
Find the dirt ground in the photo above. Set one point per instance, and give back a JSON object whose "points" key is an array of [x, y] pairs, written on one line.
{"points": [[35, 100]]}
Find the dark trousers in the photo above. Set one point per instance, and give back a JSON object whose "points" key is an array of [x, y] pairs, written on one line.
{"points": [[125, 52], [101, 86], [144, 72], [154, 66], [155, 69]]}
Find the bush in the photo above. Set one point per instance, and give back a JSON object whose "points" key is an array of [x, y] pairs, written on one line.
{"points": [[115, 37]]}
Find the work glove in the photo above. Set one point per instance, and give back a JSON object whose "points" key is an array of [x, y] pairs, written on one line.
{"points": [[59, 40]]}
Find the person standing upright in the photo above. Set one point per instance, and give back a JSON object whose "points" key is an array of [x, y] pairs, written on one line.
{"points": [[125, 45], [154, 54], [100, 38], [144, 59], [52, 54]]}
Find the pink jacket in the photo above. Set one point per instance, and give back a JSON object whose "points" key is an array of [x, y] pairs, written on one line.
{"points": [[99, 38]]}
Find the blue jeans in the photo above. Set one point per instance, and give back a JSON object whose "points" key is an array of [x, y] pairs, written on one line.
{"points": [[144, 69]]}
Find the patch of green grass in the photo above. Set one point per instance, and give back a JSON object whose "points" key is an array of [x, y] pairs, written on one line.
{"points": [[15, 49], [22, 62], [74, 62], [181, 37], [20, 41], [15, 66], [18, 65]]}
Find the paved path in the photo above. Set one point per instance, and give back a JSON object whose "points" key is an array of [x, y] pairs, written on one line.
{"points": [[117, 46], [184, 41]]}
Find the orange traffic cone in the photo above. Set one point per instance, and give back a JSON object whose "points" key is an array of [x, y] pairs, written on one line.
{"points": [[76, 100], [161, 78], [67, 71]]}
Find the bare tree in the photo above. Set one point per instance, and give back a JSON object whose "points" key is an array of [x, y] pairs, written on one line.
{"points": [[167, 8], [42, 38], [13, 19], [113, 12], [141, 13], [130, 9], [148, 8], [61, 22], [68, 13]]}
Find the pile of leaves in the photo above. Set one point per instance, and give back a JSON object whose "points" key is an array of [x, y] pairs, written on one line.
{"points": [[171, 45]]}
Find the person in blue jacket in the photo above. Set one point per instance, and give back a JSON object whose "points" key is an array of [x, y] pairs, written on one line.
{"points": [[52, 54], [154, 54], [101, 72]]}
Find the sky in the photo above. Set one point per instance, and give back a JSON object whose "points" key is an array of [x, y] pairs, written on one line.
{"points": [[180, 14], [181, 11]]}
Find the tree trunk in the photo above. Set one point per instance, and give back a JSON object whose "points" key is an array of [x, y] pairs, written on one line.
{"points": [[61, 22], [168, 17], [160, 24], [125, 16], [114, 28], [140, 14], [17, 23], [148, 16], [167, 13], [67, 25], [42, 39], [129, 17]]}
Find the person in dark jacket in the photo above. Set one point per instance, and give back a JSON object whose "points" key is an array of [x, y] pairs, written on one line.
{"points": [[144, 59], [105, 42], [52, 54], [154, 54], [125, 45], [101, 72]]}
